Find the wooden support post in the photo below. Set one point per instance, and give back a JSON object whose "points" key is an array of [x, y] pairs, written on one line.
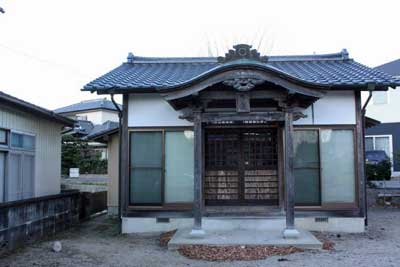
{"points": [[197, 230], [124, 158], [290, 231]]}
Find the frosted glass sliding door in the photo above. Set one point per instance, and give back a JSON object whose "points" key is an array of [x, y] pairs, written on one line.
{"points": [[179, 165], [146, 167], [306, 168], [337, 166]]}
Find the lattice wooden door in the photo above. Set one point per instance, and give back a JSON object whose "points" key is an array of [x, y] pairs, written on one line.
{"points": [[241, 166]]}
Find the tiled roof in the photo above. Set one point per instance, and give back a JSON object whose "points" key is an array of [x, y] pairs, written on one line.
{"points": [[101, 129], [333, 70], [102, 103], [392, 68]]}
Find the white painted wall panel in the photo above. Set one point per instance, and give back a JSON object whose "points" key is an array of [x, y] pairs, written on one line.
{"points": [[48, 147], [336, 107], [152, 110]]}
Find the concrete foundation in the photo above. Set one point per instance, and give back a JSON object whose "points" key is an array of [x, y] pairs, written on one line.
{"points": [[329, 224]]}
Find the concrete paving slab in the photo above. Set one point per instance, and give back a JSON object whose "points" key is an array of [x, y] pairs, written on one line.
{"points": [[232, 237]]}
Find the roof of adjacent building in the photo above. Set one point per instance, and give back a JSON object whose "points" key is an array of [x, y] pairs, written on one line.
{"points": [[101, 129], [392, 68], [102, 103], [6, 99], [329, 70]]}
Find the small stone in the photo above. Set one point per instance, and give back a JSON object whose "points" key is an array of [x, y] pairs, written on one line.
{"points": [[57, 247], [338, 236], [282, 259]]}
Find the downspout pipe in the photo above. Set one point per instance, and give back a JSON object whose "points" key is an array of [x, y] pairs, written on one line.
{"points": [[119, 158], [371, 88]]}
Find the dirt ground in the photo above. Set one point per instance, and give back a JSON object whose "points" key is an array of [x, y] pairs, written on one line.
{"points": [[97, 243]]}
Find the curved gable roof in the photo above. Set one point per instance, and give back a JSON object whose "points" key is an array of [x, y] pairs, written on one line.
{"points": [[143, 74]]}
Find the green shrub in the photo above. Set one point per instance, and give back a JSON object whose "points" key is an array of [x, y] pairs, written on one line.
{"points": [[379, 172]]}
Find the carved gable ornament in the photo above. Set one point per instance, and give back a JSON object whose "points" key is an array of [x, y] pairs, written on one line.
{"points": [[242, 51], [243, 84]]}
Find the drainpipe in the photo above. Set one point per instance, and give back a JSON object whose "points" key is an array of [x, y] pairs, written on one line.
{"points": [[119, 158], [371, 88]]}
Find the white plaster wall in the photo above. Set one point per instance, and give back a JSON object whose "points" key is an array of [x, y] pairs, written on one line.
{"points": [[336, 107], [389, 112], [48, 147], [146, 110], [107, 115], [94, 116]]}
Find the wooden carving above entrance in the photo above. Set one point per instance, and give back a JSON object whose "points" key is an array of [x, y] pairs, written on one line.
{"points": [[242, 51], [243, 84]]}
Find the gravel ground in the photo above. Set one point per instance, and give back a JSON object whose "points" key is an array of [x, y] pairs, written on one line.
{"points": [[96, 243]]}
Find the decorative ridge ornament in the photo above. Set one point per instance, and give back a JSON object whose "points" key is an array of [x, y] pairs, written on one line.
{"points": [[242, 51]]}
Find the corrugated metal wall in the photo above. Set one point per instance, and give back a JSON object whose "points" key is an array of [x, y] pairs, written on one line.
{"points": [[48, 147]]}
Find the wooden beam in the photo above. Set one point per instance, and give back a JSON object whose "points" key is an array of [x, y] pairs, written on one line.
{"points": [[288, 171], [124, 157], [198, 175], [218, 117]]}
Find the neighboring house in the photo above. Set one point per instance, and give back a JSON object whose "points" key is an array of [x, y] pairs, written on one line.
{"points": [[97, 111], [385, 107], [30, 149], [241, 135], [91, 116]]}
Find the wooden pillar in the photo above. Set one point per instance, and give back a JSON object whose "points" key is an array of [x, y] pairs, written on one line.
{"points": [[124, 154], [290, 231], [197, 230], [360, 155]]}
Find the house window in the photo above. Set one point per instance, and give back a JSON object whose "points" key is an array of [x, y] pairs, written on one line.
{"points": [[161, 166], [324, 167], [380, 97], [3, 137], [22, 141], [81, 117], [379, 142]]}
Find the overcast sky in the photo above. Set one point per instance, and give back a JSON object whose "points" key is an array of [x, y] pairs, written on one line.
{"points": [[49, 49]]}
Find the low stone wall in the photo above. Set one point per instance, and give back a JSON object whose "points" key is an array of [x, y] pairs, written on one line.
{"points": [[372, 195], [33, 219]]}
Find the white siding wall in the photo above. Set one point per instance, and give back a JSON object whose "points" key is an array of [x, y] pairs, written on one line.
{"points": [[336, 107], [385, 112], [48, 147], [152, 110]]}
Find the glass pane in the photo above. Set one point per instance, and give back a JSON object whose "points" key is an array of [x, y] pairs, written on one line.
{"points": [[380, 97], [382, 143], [2, 174], [146, 149], [28, 142], [337, 166], [145, 186], [16, 140], [306, 167], [3, 136], [179, 165], [369, 143], [146, 167]]}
